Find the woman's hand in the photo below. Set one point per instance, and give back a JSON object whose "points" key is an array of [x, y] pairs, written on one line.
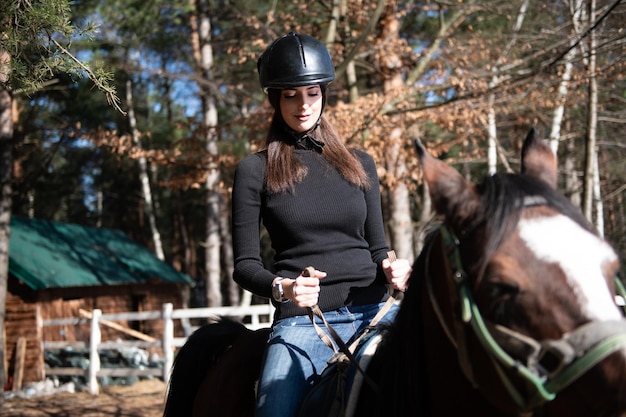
{"points": [[304, 291], [398, 273]]}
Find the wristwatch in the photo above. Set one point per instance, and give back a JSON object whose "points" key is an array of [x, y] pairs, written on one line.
{"points": [[277, 291]]}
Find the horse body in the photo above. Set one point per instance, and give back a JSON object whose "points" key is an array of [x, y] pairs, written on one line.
{"points": [[510, 311], [215, 372]]}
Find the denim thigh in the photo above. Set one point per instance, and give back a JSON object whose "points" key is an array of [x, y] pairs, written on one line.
{"points": [[296, 356]]}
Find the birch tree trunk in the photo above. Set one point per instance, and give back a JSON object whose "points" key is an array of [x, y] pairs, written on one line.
{"points": [[561, 97], [143, 174], [572, 180], [597, 195], [335, 16], [201, 39], [492, 132], [592, 121]]}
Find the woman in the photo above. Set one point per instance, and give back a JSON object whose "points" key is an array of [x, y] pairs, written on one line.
{"points": [[320, 203]]}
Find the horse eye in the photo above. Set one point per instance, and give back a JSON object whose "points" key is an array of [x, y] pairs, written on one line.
{"points": [[497, 290], [498, 296]]}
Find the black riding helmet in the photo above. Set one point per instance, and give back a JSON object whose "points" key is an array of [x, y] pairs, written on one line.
{"points": [[294, 60]]}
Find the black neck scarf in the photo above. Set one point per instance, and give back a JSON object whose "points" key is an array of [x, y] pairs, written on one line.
{"points": [[304, 140]]}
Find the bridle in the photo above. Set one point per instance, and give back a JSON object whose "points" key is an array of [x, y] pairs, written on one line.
{"points": [[547, 367]]}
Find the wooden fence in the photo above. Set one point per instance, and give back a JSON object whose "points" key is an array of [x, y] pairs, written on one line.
{"points": [[254, 317]]}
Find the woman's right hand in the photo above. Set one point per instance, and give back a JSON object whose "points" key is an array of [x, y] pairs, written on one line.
{"points": [[304, 291]]}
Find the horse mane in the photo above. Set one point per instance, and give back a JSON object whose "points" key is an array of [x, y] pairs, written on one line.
{"points": [[403, 393]]}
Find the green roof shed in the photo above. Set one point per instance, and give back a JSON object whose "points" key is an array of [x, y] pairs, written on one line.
{"points": [[45, 254]]}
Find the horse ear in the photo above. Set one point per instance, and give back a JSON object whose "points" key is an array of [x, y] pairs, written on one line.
{"points": [[451, 194], [538, 160]]}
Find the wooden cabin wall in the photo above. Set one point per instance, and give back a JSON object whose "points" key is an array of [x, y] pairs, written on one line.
{"points": [[22, 319], [26, 309], [68, 302]]}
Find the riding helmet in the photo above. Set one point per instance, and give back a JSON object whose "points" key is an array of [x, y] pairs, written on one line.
{"points": [[294, 60]]}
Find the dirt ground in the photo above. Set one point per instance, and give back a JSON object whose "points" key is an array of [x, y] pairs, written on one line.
{"points": [[142, 399]]}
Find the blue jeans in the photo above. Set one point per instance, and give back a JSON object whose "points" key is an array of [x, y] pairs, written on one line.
{"points": [[295, 356]]}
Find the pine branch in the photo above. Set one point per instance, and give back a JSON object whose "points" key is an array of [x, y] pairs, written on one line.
{"points": [[102, 85]]}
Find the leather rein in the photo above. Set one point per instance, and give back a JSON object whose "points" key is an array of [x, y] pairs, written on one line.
{"points": [[342, 352], [548, 366]]}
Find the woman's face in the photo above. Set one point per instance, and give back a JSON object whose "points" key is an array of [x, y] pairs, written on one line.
{"points": [[301, 107]]}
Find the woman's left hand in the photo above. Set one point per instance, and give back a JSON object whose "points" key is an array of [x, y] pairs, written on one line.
{"points": [[398, 273]]}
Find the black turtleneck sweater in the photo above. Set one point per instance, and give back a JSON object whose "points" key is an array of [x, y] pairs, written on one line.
{"points": [[326, 223]]}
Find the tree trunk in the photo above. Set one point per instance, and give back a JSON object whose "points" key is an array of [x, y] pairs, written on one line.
{"points": [[401, 230], [572, 178], [573, 184], [335, 16], [6, 138], [351, 77], [559, 110], [592, 122], [143, 174], [203, 52], [597, 196], [492, 132]]}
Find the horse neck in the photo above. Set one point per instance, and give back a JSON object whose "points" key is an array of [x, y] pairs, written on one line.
{"points": [[444, 336]]}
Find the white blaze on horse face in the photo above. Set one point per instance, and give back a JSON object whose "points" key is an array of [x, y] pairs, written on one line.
{"points": [[581, 256]]}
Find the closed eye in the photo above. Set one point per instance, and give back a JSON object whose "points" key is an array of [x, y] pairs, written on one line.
{"points": [[293, 96], [312, 91]]}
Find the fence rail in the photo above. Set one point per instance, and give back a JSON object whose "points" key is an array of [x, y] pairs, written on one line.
{"points": [[254, 317]]}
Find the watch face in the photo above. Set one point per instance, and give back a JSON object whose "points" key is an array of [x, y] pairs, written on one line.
{"points": [[276, 293]]}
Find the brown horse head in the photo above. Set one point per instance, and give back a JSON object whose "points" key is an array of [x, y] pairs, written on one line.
{"points": [[532, 317]]}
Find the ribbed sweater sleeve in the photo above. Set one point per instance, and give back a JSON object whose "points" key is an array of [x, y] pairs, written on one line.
{"points": [[247, 197], [325, 222]]}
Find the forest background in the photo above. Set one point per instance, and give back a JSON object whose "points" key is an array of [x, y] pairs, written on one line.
{"points": [[132, 114]]}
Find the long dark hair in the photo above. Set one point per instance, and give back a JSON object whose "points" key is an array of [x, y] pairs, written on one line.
{"points": [[284, 169]]}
